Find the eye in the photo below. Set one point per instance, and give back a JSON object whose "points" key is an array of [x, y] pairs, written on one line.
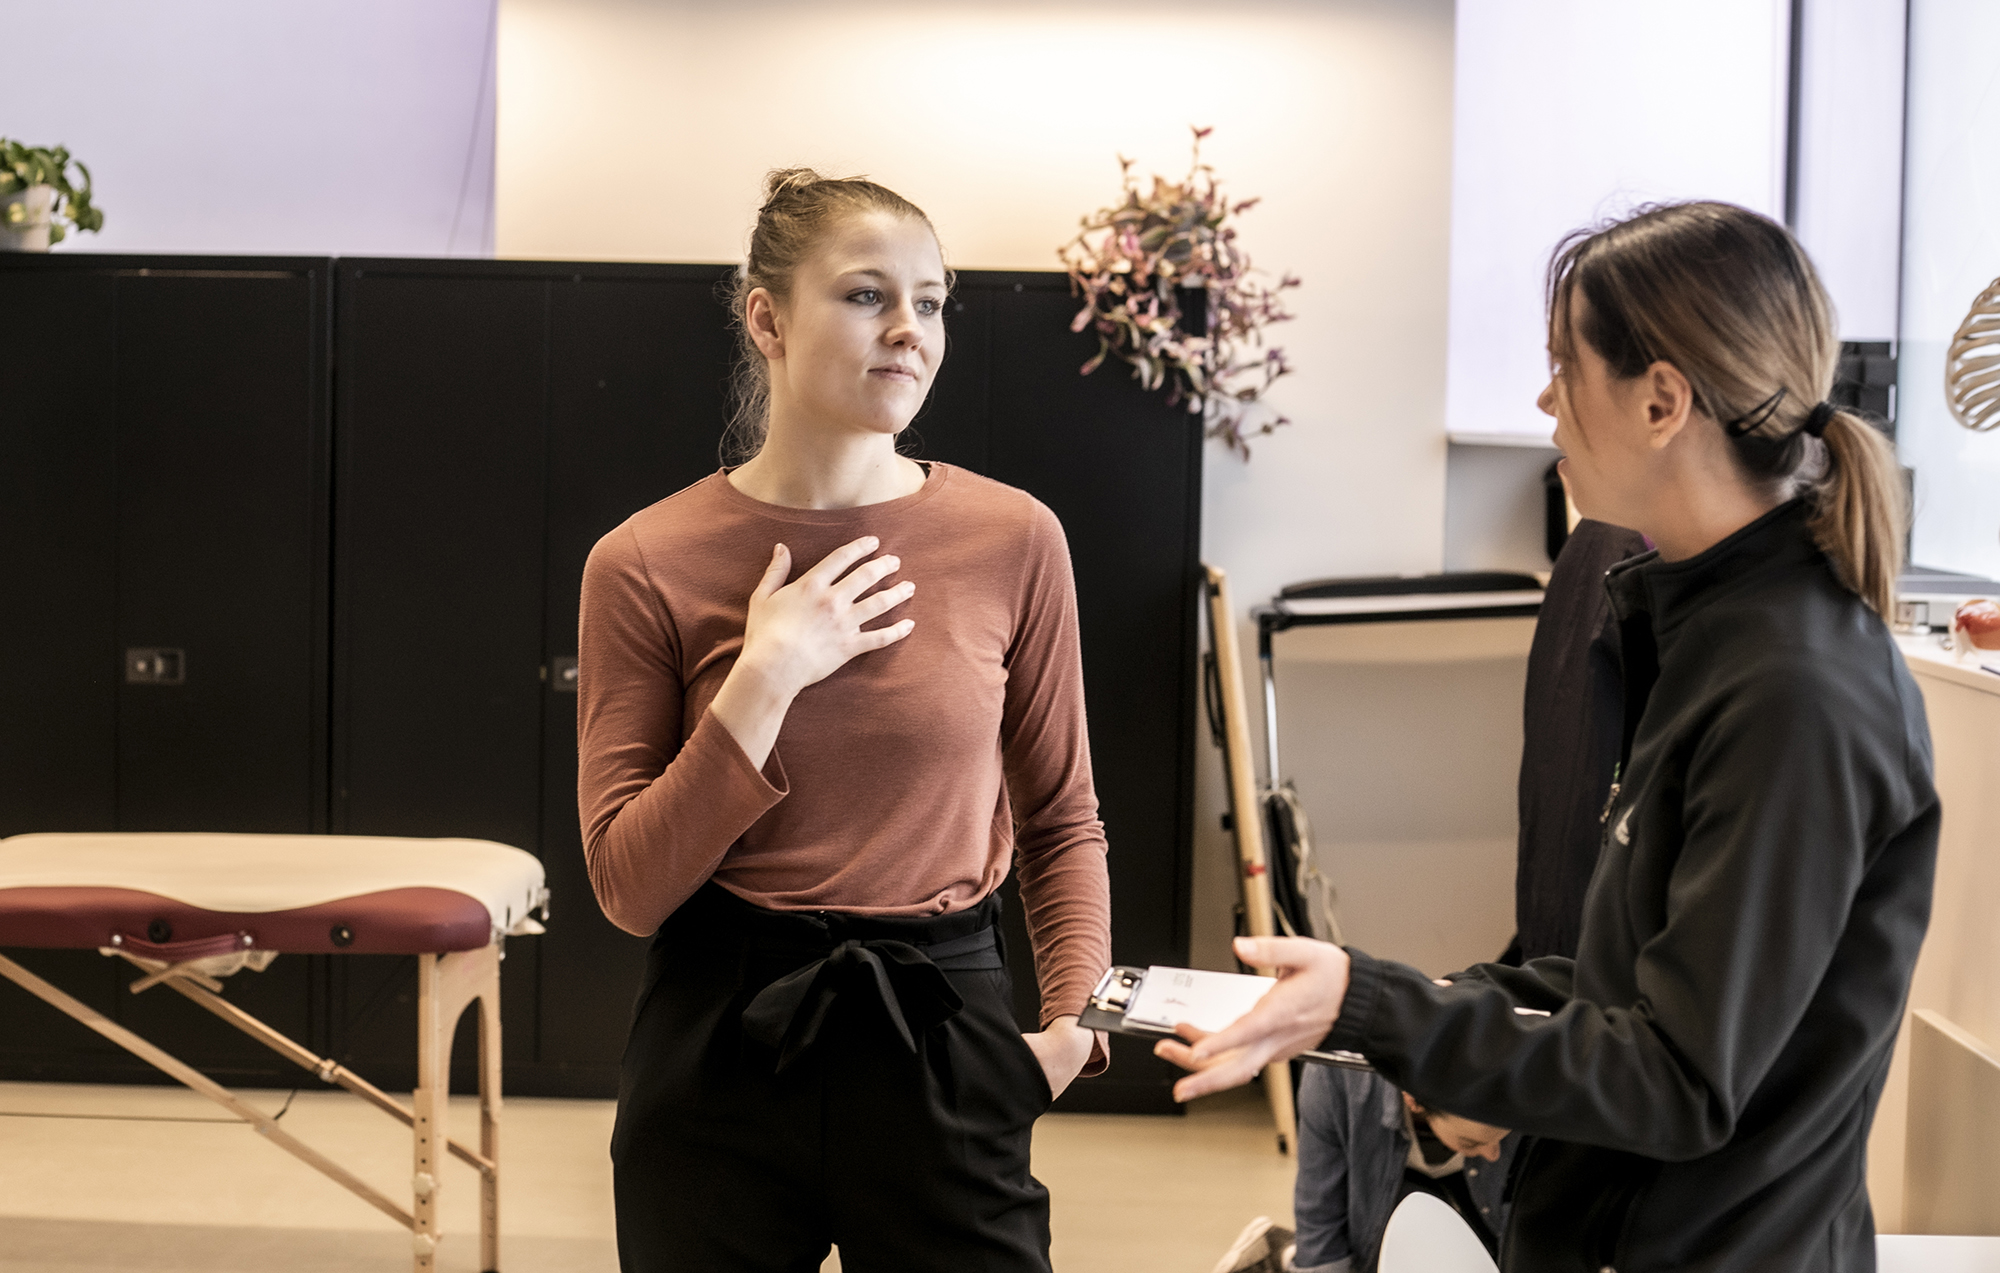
{"points": [[930, 306], [866, 296]]}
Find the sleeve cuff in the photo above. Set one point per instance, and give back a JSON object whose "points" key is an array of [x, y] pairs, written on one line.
{"points": [[1364, 991], [1100, 1056], [769, 783]]}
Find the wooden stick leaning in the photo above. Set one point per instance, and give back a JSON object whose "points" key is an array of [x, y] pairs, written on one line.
{"points": [[1246, 820]]}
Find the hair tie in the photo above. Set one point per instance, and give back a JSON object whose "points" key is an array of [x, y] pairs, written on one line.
{"points": [[1753, 419], [1821, 416]]}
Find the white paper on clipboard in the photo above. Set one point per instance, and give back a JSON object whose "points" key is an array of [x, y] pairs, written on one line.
{"points": [[1206, 1000]]}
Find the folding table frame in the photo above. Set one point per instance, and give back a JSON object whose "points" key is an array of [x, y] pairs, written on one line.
{"points": [[447, 985]]}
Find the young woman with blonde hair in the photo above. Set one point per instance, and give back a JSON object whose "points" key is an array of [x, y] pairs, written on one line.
{"points": [[828, 698], [1700, 1079]]}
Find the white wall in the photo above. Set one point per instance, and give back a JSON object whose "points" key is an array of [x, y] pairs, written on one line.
{"points": [[309, 126], [1571, 111], [643, 129], [1951, 251]]}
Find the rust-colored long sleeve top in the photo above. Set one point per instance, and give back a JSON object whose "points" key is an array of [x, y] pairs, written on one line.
{"points": [[904, 783]]}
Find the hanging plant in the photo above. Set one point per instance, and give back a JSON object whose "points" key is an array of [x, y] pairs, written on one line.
{"points": [[1136, 264]]}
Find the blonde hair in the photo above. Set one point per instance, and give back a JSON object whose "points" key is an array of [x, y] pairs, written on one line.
{"points": [[1731, 300], [799, 208]]}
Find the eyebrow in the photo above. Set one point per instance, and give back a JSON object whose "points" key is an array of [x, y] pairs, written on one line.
{"points": [[884, 276]]}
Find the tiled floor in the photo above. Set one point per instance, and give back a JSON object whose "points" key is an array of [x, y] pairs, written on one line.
{"points": [[97, 1179]]}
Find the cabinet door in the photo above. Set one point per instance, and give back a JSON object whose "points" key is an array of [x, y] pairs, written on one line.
{"points": [[58, 621], [221, 555], [58, 554], [1122, 470], [167, 495], [636, 406], [438, 597], [221, 502]]}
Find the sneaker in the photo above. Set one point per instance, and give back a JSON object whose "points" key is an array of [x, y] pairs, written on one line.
{"points": [[1262, 1247]]}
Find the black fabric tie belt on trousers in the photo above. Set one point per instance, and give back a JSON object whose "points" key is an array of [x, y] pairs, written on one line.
{"points": [[908, 979]]}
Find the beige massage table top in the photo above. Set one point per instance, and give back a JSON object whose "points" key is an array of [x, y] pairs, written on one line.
{"points": [[167, 894]]}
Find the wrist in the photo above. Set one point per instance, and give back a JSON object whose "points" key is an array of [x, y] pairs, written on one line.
{"points": [[758, 681]]}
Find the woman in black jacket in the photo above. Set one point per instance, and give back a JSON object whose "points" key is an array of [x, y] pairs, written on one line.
{"points": [[1702, 1086]]}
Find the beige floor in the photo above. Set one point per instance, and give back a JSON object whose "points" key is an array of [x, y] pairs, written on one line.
{"points": [[97, 1179]]}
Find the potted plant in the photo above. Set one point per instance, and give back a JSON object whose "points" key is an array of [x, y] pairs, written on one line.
{"points": [[37, 198], [1170, 292]]}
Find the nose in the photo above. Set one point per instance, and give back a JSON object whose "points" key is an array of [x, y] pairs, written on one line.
{"points": [[1547, 400], [905, 330]]}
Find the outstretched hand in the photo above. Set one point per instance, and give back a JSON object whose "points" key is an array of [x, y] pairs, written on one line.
{"points": [[1293, 1017]]}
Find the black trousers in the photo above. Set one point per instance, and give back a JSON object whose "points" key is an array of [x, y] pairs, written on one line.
{"points": [[795, 1080]]}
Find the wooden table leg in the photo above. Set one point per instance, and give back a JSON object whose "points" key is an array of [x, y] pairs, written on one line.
{"points": [[446, 986], [429, 1104], [489, 1123]]}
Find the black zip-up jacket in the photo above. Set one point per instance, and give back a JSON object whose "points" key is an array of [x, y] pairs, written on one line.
{"points": [[1702, 1089]]}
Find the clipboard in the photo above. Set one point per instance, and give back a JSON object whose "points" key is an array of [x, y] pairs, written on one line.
{"points": [[1122, 988]]}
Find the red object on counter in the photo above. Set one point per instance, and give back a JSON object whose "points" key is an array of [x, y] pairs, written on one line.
{"points": [[1980, 621]]}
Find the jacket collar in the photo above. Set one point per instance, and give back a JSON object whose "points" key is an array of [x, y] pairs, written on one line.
{"points": [[1669, 592]]}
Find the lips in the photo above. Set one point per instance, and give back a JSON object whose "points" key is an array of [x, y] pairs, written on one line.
{"points": [[895, 372]]}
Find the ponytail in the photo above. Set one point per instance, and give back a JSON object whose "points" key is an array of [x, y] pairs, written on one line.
{"points": [[1861, 510]]}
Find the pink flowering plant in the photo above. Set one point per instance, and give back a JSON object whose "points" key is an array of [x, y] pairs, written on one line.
{"points": [[1131, 264]]}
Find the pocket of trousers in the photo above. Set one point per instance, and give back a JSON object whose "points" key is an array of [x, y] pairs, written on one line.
{"points": [[1034, 1079]]}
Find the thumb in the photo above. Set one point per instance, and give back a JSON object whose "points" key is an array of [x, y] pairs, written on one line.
{"points": [[1255, 951], [775, 574]]}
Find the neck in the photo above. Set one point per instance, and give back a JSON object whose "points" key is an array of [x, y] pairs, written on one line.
{"points": [[1697, 506], [821, 468]]}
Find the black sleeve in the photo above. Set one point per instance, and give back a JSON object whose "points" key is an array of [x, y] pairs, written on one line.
{"points": [[1759, 894]]}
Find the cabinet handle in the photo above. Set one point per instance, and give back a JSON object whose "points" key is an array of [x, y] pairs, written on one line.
{"points": [[563, 678], [155, 665]]}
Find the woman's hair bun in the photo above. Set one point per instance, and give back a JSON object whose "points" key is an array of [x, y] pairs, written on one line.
{"points": [[783, 181]]}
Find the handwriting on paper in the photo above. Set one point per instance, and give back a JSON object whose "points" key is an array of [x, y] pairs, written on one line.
{"points": [[1207, 1000]]}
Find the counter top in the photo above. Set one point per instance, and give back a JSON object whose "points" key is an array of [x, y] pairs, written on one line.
{"points": [[1928, 657]]}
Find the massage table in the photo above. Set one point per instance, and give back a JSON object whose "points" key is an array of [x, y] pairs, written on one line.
{"points": [[188, 909]]}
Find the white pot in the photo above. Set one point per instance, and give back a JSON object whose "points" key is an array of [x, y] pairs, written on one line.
{"points": [[24, 219]]}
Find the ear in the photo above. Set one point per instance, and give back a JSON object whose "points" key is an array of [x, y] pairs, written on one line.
{"points": [[765, 323], [1668, 401], [1410, 1104]]}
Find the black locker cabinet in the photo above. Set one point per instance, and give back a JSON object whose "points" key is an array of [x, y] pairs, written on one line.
{"points": [[165, 455], [1122, 470], [495, 419], [163, 483]]}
